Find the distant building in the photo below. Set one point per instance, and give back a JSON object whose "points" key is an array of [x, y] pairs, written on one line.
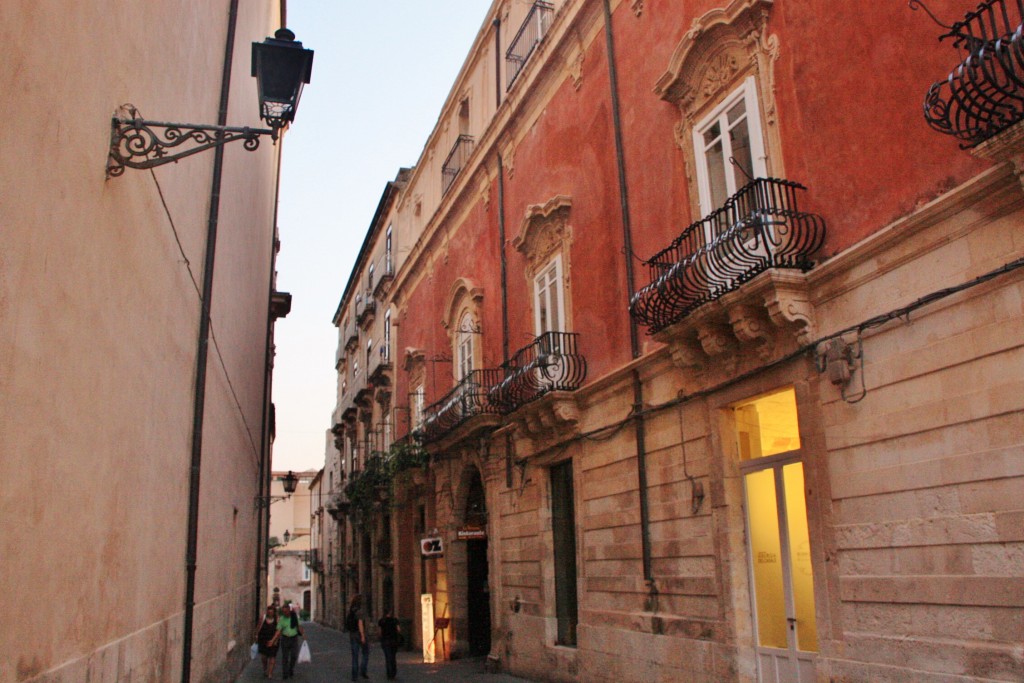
{"points": [[713, 339], [289, 577]]}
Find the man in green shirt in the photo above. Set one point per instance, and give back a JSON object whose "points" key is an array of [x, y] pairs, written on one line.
{"points": [[289, 631]]}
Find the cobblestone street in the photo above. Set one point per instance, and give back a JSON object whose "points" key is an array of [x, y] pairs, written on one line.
{"points": [[331, 663]]}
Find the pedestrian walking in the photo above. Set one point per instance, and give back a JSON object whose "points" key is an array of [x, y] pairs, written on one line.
{"points": [[356, 627], [390, 634], [289, 632], [266, 640]]}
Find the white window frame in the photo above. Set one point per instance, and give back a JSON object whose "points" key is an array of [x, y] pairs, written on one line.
{"points": [[541, 286], [747, 92], [386, 357], [464, 347]]}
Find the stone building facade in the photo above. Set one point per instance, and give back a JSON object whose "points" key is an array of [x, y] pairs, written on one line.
{"points": [[100, 338], [714, 345]]}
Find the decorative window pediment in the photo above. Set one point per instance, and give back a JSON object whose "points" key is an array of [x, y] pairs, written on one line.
{"points": [[723, 48], [545, 233]]}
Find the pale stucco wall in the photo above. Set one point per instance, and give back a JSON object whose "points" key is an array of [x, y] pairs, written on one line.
{"points": [[98, 327]]}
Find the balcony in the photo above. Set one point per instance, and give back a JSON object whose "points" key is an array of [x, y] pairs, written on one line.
{"points": [[366, 307], [455, 162], [351, 337], [759, 228], [385, 274], [551, 362], [536, 24], [468, 399], [380, 367], [984, 94]]}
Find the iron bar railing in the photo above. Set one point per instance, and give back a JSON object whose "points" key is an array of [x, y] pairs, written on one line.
{"points": [[365, 307], [467, 399], [455, 161], [536, 24], [758, 228], [984, 94], [551, 362]]}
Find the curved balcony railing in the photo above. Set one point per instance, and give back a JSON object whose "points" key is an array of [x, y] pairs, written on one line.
{"points": [[984, 94], [551, 362], [467, 399], [758, 228]]}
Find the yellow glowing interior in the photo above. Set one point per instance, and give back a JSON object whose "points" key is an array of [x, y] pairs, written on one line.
{"points": [[767, 425], [800, 557], [766, 555]]}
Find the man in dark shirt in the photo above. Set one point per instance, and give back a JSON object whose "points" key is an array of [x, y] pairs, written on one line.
{"points": [[389, 635]]}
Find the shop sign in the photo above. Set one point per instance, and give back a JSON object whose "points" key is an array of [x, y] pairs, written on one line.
{"points": [[432, 546]]}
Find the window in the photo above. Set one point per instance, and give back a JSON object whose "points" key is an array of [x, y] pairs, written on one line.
{"points": [[369, 279], [549, 302], [355, 368], [464, 346], [387, 251], [369, 353], [728, 147], [385, 349], [305, 572]]}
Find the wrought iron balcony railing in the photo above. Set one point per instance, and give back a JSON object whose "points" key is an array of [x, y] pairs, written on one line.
{"points": [[455, 161], [758, 228], [380, 365], [365, 308], [984, 94], [467, 399], [385, 274], [551, 362], [536, 24]]}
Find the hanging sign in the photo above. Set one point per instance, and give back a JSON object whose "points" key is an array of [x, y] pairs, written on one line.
{"points": [[432, 546], [471, 533]]}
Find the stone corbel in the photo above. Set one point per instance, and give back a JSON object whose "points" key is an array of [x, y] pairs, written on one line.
{"points": [[1007, 146], [789, 304], [751, 325], [548, 420]]}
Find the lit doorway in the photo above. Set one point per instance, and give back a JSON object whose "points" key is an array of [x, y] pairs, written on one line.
{"points": [[779, 557]]}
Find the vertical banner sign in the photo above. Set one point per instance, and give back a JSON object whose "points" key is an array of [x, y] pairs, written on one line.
{"points": [[427, 628]]}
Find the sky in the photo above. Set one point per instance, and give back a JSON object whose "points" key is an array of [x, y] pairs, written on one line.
{"points": [[381, 72]]}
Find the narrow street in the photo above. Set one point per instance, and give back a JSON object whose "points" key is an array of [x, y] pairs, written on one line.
{"points": [[331, 663]]}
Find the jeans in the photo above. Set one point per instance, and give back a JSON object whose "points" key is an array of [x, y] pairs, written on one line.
{"points": [[289, 653], [390, 647], [357, 649]]}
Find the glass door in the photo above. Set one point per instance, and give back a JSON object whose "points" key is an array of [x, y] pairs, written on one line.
{"points": [[779, 557]]}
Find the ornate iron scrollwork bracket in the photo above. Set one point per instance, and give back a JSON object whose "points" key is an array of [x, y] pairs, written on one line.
{"points": [[138, 143]]}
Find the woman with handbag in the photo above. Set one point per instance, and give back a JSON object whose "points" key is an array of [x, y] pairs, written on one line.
{"points": [[266, 640]]}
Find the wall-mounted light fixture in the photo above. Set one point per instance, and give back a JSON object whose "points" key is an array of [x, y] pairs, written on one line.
{"points": [[281, 67], [290, 482]]}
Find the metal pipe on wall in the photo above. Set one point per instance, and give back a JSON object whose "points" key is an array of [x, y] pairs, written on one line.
{"points": [[202, 354], [634, 340]]}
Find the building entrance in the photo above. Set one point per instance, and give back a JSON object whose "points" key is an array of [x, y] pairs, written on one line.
{"points": [[779, 552], [478, 593]]}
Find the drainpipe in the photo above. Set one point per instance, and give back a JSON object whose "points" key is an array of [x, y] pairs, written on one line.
{"points": [[497, 63], [634, 340], [263, 511], [504, 305], [202, 353]]}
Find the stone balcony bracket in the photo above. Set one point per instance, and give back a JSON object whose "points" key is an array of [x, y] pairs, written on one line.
{"points": [[541, 424], [1007, 146], [767, 317]]}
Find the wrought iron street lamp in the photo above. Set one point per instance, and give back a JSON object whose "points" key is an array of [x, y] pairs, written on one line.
{"points": [[281, 67], [290, 481]]}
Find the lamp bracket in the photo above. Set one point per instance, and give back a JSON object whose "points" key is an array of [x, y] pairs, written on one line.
{"points": [[139, 143], [267, 501]]}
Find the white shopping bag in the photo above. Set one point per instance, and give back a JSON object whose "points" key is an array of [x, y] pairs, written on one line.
{"points": [[304, 656], [253, 651]]}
